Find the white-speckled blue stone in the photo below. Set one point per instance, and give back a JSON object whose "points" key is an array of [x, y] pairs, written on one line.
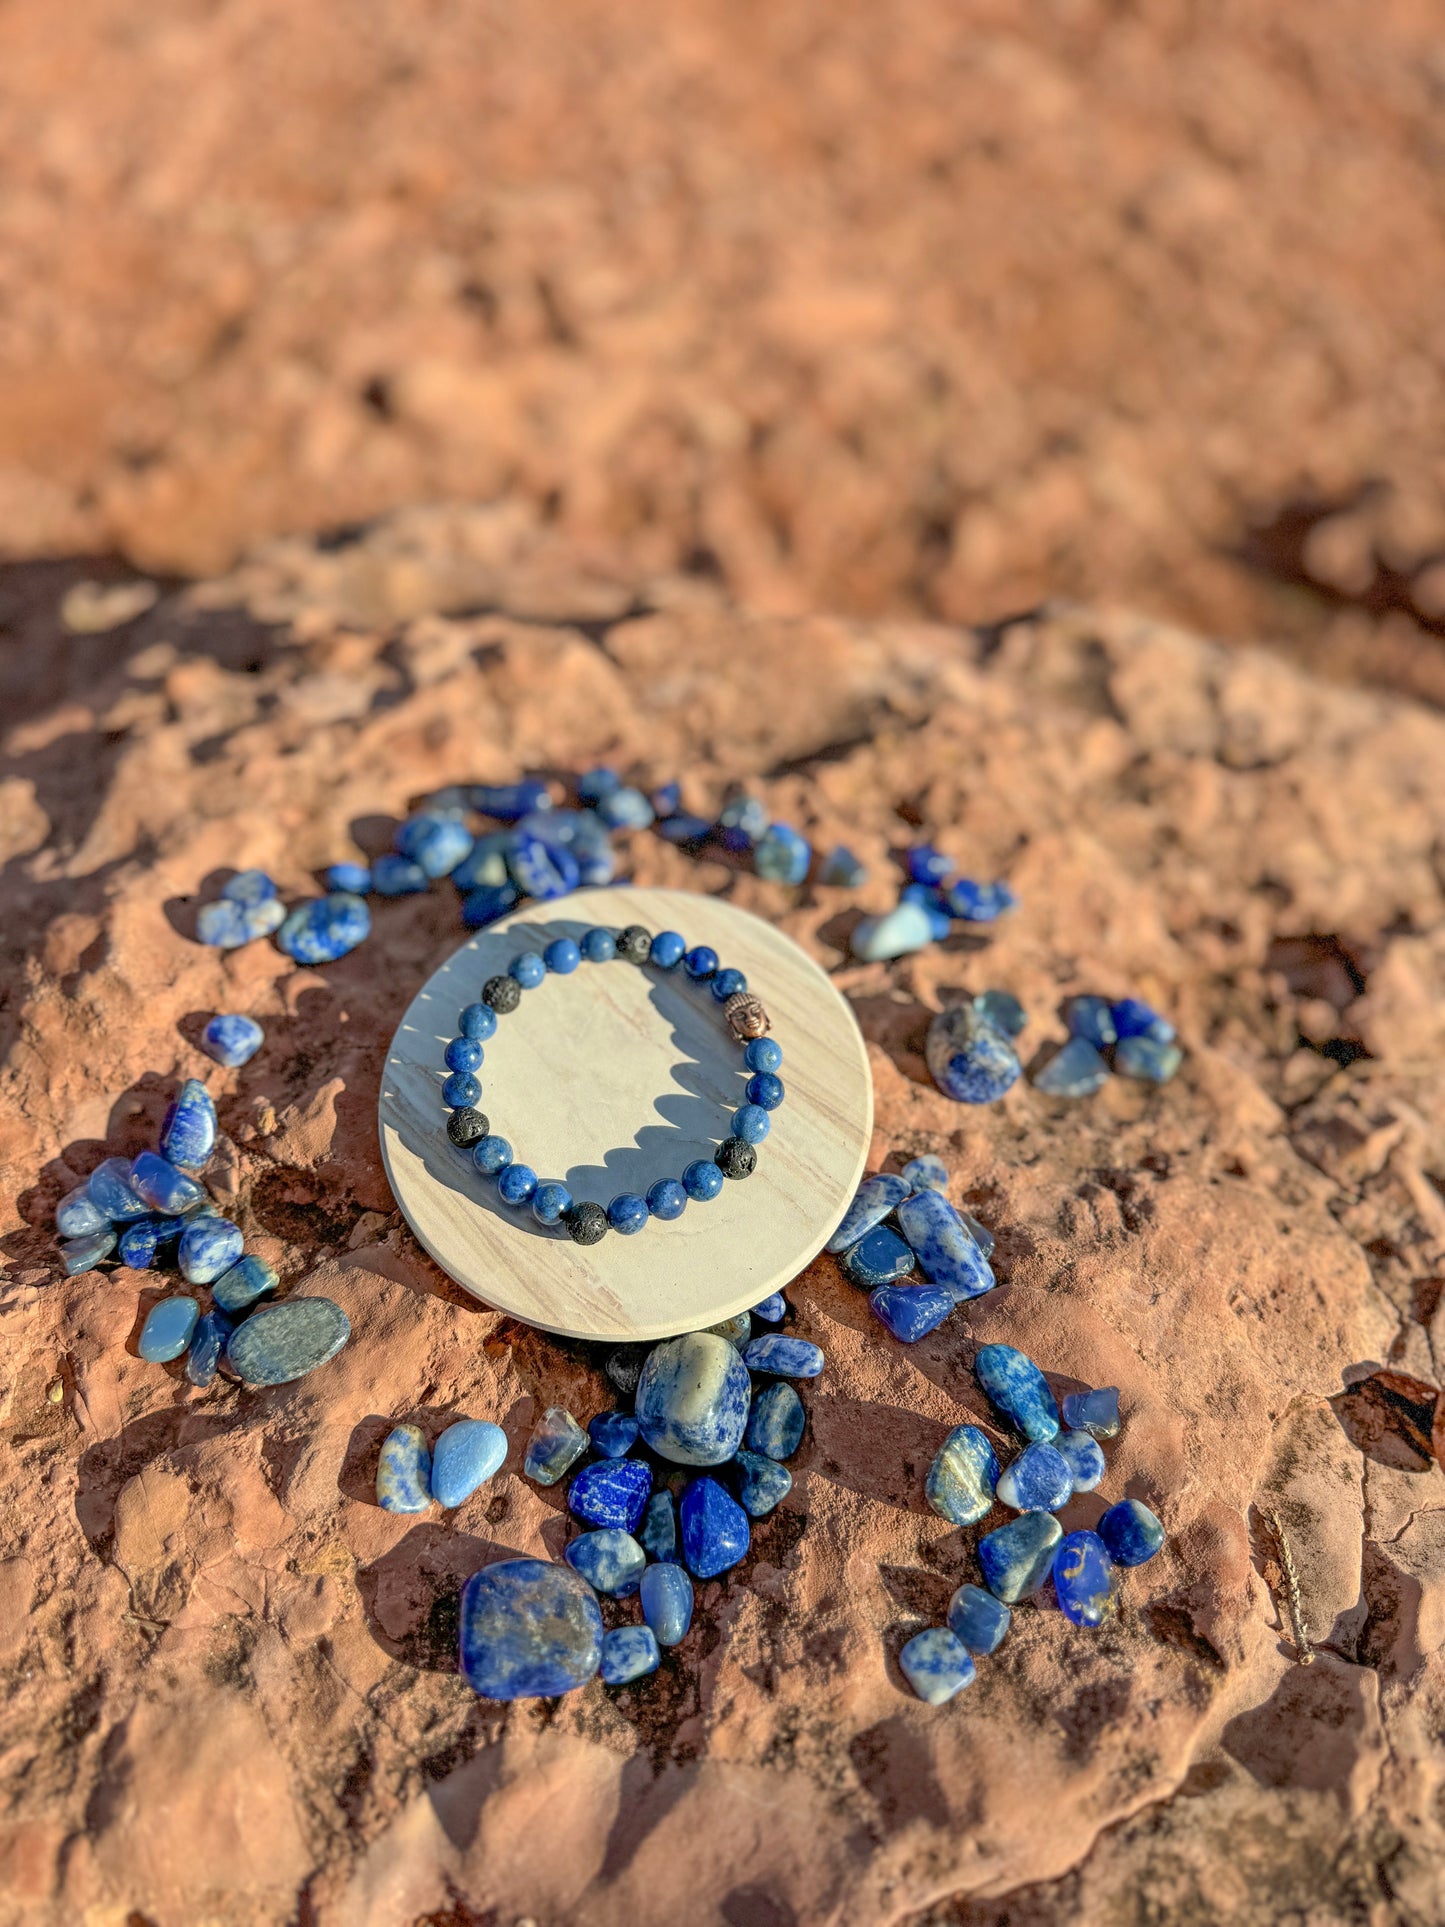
{"points": [[188, 1135], [626, 809], [232, 1040], [611, 1492], [876, 1197], [529, 1629], [628, 1653], [610, 1560], [167, 1330], [761, 1483], [775, 1424], [1016, 1387], [970, 1059], [961, 1480], [226, 925], [209, 1248], [403, 1471], [926, 1173], [936, 1664], [946, 1250], [773, 1309], [783, 1357], [1084, 1457], [1077, 1070], [145, 1240], [898, 934], [557, 1442], [325, 928], [715, 1530], [279, 1343], [247, 1280], [667, 1602], [249, 887], [613, 1433], [84, 1254], [164, 1188], [437, 843], [1095, 1412], [467, 1454], [109, 1190], [1017, 1558], [1038, 1480], [692, 1399], [78, 1215]]}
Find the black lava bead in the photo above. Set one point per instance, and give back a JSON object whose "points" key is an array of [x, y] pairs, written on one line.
{"points": [[586, 1223], [624, 1367], [634, 944], [467, 1127], [502, 993], [735, 1158]]}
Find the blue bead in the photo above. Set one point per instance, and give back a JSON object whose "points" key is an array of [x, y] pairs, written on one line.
{"points": [[700, 962], [783, 1357], [403, 1471], [658, 1537], [876, 1197], [773, 1309], [946, 1249], [1084, 1579], [1084, 1457], [1038, 1480], [167, 1330], [248, 1279], [352, 878], [609, 1560], [782, 855], [1001, 1007], [978, 1619], [715, 1530], [550, 1202], [209, 1247], [249, 887], [627, 1213], [702, 1180], [598, 945], [325, 928], [509, 801], [397, 876], [208, 1341], [84, 1254], [751, 1123], [279, 1343], [911, 1311], [692, 1399], [232, 1040], [468, 1453], [1147, 1058], [625, 809], [667, 798], [897, 934], [761, 1483], [970, 1059], [612, 1492], [962, 1477], [491, 1155], [628, 1653], [878, 1258], [437, 844], [516, 1184], [1077, 1070], [765, 1090], [1134, 1018], [684, 828], [1131, 1532], [484, 906], [613, 1433], [188, 1135], [557, 1442], [528, 970], [930, 902], [668, 949], [666, 1199], [936, 1665], [460, 1091], [926, 1173], [728, 983], [463, 1054], [842, 870], [529, 1630], [1017, 1558], [594, 784], [78, 1216], [763, 1056], [667, 1602], [1016, 1387], [1091, 1018], [775, 1423], [109, 1189], [478, 1021], [562, 956], [1093, 1412], [163, 1187], [974, 902]]}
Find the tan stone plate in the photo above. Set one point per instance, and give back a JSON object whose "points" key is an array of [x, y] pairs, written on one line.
{"points": [[613, 1078]]}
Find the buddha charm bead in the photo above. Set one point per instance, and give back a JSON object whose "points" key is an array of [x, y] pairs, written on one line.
{"points": [[550, 1202]]}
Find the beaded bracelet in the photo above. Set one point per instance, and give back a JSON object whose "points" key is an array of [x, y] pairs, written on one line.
{"points": [[552, 1203]]}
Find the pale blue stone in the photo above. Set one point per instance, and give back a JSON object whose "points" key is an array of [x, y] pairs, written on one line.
{"points": [[188, 1135], [970, 1059], [247, 1280], [208, 1341], [782, 855], [1091, 1018], [468, 1453], [1134, 1018], [936, 1665], [1016, 1387], [209, 1247], [232, 1040], [667, 1602], [980, 902], [557, 1442], [613, 1492], [613, 1433], [961, 1479], [946, 1249], [842, 870], [279, 1343], [611, 1560], [249, 887], [84, 1254], [529, 1630], [403, 1471], [692, 1399], [1039, 1480], [1017, 1558], [325, 928], [1077, 1070], [626, 809], [898, 934], [352, 878], [1131, 1532], [628, 1653], [396, 876], [978, 1619], [164, 1188], [224, 925], [926, 1173], [78, 1215], [911, 1312], [879, 1258], [109, 1189], [658, 1537], [762, 1483], [1095, 1412], [1002, 1008], [1084, 1579], [772, 1310], [715, 1531], [876, 1197], [1084, 1457], [435, 842], [167, 1330], [930, 902], [1147, 1058], [775, 1424], [783, 1357]]}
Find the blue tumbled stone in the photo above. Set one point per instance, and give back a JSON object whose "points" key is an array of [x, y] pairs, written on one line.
{"points": [[248, 1279], [783, 1357], [164, 1188], [898, 934], [577, 831], [1016, 1387], [1131, 1532], [702, 1180], [483, 906], [613, 1433], [978, 1619], [279, 1343], [325, 928], [876, 1198], [209, 1247], [962, 1476], [1084, 1457], [506, 802], [167, 1330], [188, 1135], [974, 902], [232, 1040], [557, 1442], [1039, 1480], [1077, 1070], [741, 821], [970, 1059], [668, 950], [947, 1252], [692, 1399], [491, 1154], [926, 1173], [478, 1022], [403, 1471], [609, 1559], [666, 799], [1017, 1558], [84, 1254], [1093, 1412], [765, 1090], [352, 878], [626, 809], [468, 1453], [1084, 1579], [628, 1653], [763, 1055], [541, 869], [613, 1492], [144, 1240], [684, 828], [761, 1483], [1091, 1018], [930, 902], [667, 1602], [776, 1421], [436, 844], [463, 1054], [396, 876], [78, 1215], [751, 1123], [878, 1258], [224, 925], [700, 963], [842, 870], [925, 864], [911, 1312], [594, 784], [208, 1341], [658, 1536], [1134, 1018], [715, 1531], [782, 855], [249, 887], [627, 1213], [529, 1629], [109, 1189], [936, 1664], [773, 1309], [551, 1202], [1003, 1009], [667, 1199], [485, 865], [1148, 1059]]}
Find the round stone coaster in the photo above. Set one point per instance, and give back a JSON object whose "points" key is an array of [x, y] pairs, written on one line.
{"points": [[613, 1078]]}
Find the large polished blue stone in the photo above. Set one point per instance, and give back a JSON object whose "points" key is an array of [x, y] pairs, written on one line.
{"points": [[613, 1492], [880, 1257], [557, 1442], [970, 1059], [1084, 1457], [188, 1135], [692, 1399], [1084, 1579], [208, 1249], [609, 1559], [529, 1629], [468, 1453], [658, 1534], [1038, 1480], [962, 1477], [911, 1312], [1016, 1387], [947, 1251], [978, 1619], [325, 928], [783, 1357], [1075, 1071], [1096, 1412], [775, 1423], [761, 1483], [926, 1173], [613, 1434], [248, 1279], [899, 933], [232, 1040], [1017, 1558], [628, 1653], [167, 1330], [109, 1190], [78, 1216], [876, 1198], [667, 1602], [208, 1342], [164, 1188], [484, 906], [403, 1471], [715, 1532], [1147, 1059], [282, 1342], [1131, 1532], [936, 1664]]}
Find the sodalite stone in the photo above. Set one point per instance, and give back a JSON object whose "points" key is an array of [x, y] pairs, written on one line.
{"points": [[78, 1216], [876, 1198], [978, 1619], [436, 843], [842, 870], [1075, 1071], [167, 1330], [84, 1254], [667, 1602], [468, 1453], [1017, 1558], [946, 1249], [249, 887], [614, 1492], [715, 1531], [782, 855], [396, 876], [1091, 1018], [209, 1247], [353, 878], [109, 1189], [1001, 1007], [248, 1279], [1039, 1480], [775, 1424], [557, 1442], [1016, 1387], [1148, 1059], [188, 1135], [594, 784], [773, 1309], [783, 1357], [208, 1341], [1131, 1532], [325, 928], [164, 1188], [926, 1173], [692, 1399], [936, 1664], [1084, 1457], [610, 1560], [970, 1059], [279, 1343], [878, 1258], [761, 1483], [509, 801], [145, 1240], [232, 1040], [974, 902], [226, 925], [403, 1471], [542, 870], [658, 1537], [961, 1480], [613, 1433], [1134, 1018], [1094, 1412], [484, 906], [1084, 1579], [628, 1653], [529, 1629], [911, 1312], [898, 934]]}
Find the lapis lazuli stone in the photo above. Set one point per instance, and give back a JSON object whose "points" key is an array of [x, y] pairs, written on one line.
{"points": [[1094, 1412], [247, 1280], [279, 1343], [1038, 1480], [782, 855], [980, 1233], [970, 1059], [1084, 1579], [911, 1312], [609, 1559], [878, 1258], [468, 1453], [483, 906], [1017, 1558], [226, 925], [353, 878], [926, 1173], [613, 1434], [702, 1180], [613, 1492], [974, 902], [930, 902], [232, 1040], [551, 1202], [1016, 1387], [842, 870], [668, 950], [84, 1254], [529, 1629], [325, 928], [1091, 1018], [936, 1664], [167, 1330], [773, 1309], [897, 934], [775, 1424], [728, 983], [109, 1189], [543, 870], [164, 1188], [658, 1536], [144, 1240], [479, 1022], [463, 1054], [667, 1602], [1075, 1071], [765, 1090], [249, 887], [667, 1199], [1084, 1457], [783, 1357], [396, 876], [208, 1341], [626, 809], [978, 1619], [1134, 1018], [701, 963], [1131, 1532], [403, 1471], [876, 1197], [557, 1442], [627, 1213], [962, 1477], [508, 802], [761, 1483], [715, 1531], [692, 1399], [1002, 1008], [628, 1653], [946, 1249], [209, 1247], [1147, 1059], [925, 864], [79, 1216], [491, 1154], [437, 844], [188, 1135]]}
